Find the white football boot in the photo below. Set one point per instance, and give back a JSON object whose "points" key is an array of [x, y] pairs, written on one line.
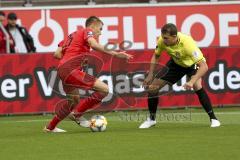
{"points": [[55, 130], [79, 120], [148, 123], [215, 123]]}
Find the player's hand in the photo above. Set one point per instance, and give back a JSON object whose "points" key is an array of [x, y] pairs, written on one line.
{"points": [[188, 85], [123, 55], [147, 81]]}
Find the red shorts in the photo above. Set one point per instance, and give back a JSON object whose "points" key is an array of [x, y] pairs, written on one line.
{"points": [[76, 79]]}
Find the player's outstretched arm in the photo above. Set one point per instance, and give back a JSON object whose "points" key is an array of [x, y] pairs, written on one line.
{"points": [[96, 46], [58, 53]]}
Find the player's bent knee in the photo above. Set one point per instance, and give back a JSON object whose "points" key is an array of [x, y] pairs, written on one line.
{"points": [[105, 90], [153, 89], [101, 87], [197, 87]]}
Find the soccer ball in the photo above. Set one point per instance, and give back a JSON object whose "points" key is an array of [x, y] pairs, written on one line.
{"points": [[98, 123]]}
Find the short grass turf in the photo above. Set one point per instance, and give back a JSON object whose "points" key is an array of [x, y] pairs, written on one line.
{"points": [[179, 135]]}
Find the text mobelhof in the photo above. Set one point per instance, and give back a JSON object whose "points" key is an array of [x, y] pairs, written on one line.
{"points": [[222, 30]]}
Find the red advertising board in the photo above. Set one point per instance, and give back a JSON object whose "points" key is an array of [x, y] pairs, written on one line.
{"points": [[210, 25], [26, 81]]}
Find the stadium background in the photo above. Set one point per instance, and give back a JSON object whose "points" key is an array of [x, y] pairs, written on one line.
{"points": [[182, 131], [214, 25]]}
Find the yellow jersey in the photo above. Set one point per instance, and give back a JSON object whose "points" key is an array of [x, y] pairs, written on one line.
{"points": [[185, 53]]}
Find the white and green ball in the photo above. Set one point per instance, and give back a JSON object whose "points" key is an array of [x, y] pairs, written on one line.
{"points": [[98, 123]]}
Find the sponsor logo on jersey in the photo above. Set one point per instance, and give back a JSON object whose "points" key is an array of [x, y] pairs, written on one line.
{"points": [[177, 55], [196, 54], [89, 33]]}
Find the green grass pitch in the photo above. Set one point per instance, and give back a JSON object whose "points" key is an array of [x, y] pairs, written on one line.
{"points": [[182, 134]]}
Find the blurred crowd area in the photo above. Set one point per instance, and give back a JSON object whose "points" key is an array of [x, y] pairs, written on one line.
{"points": [[15, 38], [28, 3]]}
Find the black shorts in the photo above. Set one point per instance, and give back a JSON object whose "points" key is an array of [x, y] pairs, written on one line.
{"points": [[174, 72]]}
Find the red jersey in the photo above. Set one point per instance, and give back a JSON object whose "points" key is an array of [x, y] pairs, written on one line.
{"points": [[2, 43], [75, 44]]}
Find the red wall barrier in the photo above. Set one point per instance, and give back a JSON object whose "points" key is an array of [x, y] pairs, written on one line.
{"points": [[24, 81]]}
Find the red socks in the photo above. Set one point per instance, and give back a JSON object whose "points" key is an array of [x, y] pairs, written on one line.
{"points": [[53, 123], [90, 102], [63, 108]]}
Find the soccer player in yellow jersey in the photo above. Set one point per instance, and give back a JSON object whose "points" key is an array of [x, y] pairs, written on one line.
{"points": [[186, 59]]}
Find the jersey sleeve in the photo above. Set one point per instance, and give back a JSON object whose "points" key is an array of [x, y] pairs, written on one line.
{"points": [[87, 34], [194, 52], [159, 47], [60, 44]]}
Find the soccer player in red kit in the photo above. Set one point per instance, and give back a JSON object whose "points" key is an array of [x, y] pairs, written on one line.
{"points": [[71, 53]]}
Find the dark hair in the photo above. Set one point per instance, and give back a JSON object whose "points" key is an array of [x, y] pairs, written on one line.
{"points": [[91, 20], [2, 13], [170, 29], [12, 16]]}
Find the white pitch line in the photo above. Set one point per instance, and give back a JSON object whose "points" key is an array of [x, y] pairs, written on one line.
{"points": [[45, 120]]}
